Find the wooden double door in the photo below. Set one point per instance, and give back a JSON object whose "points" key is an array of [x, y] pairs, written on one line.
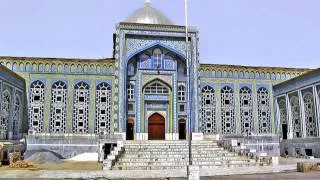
{"points": [[156, 127]]}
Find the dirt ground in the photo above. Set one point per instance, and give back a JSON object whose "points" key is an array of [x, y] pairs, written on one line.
{"points": [[67, 165]]}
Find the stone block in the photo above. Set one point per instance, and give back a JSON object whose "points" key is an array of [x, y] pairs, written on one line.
{"points": [[197, 136], [121, 135], [193, 172], [234, 143], [275, 160], [306, 166]]}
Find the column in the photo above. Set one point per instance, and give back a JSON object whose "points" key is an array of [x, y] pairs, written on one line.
{"points": [[302, 114], [289, 117], [316, 107], [277, 118]]}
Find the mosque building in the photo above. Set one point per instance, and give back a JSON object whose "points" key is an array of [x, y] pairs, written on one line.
{"points": [[155, 88]]}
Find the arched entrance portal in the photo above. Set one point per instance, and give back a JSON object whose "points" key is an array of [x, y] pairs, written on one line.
{"points": [[156, 127], [182, 129]]}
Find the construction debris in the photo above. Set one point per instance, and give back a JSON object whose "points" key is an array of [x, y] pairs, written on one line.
{"points": [[14, 157], [23, 164]]}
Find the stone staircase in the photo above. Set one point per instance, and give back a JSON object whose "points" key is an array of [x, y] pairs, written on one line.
{"points": [[160, 155]]}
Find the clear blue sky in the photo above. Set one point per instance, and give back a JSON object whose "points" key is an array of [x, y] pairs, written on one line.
{"points": [[282, 33]]}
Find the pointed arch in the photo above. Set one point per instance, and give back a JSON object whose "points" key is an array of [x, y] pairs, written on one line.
{"points": [[208, 123], [264, 113], [156, 87], [103, 113], [157, 80], [310, 115], [5, 112], [154, 45], [58, 121], [246, 110], [36, 106], [227, 110], [80, 120]]}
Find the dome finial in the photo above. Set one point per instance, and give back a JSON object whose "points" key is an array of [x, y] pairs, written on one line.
{"points": [[146, 2]]}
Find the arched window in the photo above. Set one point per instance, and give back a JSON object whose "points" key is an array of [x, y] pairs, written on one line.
{"points": [[181, 93], [227, 111], [157, 58], [36, 106], [295, 114], [156, 88], [5, 110], [310, 118], [103, 108], [58, 107], [246, 116], [80, 123], [16, 119], [208, 123], [130, 92], [264, 111]]}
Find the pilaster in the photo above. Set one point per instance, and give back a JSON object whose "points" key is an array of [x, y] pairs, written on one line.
{"points": [[47, 105], [255, 108], [274, 125], [237, 107], [70, 105], [218, 106], [289, 117], [92, 106], [10, 116]]}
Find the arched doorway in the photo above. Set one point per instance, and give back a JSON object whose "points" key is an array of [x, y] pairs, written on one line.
{"points": [[130, 127], [156, 127], [182, 129]]}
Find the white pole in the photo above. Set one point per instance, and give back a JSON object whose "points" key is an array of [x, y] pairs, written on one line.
{"points": [[188, 78]]}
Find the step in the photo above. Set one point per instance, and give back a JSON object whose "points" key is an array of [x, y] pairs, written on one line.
{"points": [[222, 162], [124, 159], [171, 146], [194, 156], [180, 163], [147, 167], [154, 153], [159, 156], [227, 166], [222, 154], [220, 158]]}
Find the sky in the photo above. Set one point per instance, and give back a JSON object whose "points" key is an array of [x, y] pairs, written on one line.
{"points": [[284, 33]]}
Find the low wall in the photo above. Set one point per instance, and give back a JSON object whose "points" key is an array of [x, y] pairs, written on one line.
{"points": [[257, 144], [297, 147], [66, 146]]}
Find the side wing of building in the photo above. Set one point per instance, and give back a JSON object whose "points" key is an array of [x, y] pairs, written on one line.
{"points": [[238, 100], [297, 111], [66, 95], [12, 110]]}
